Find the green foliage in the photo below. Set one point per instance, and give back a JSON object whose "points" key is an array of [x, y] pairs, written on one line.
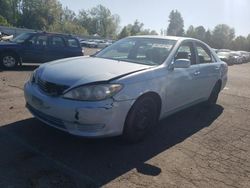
{"points": [[99, 20], [200, 33], [3, 21], [191, 32], [124, 33], [39, 14], [223, 36], [9, 10], [135, 29], [49, 15], [240, 43], [176, 24]]}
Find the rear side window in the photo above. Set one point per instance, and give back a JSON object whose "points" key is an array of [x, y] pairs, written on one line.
{"points": [[73, 43], [204, 54], [57, 41]]}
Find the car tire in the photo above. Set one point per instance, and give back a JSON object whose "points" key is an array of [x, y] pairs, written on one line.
{"points": [[9, 60], [142, 117], [214, 95]]}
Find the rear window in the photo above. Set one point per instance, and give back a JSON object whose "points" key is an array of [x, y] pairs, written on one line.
{"points": [[73, 43]]}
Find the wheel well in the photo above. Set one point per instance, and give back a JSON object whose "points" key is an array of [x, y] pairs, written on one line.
{"points": [[12, 52], [220, 83], [156, 98]]}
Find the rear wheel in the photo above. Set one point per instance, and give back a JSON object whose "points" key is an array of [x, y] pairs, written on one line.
{"points": [[141, 119], [9, 60]]}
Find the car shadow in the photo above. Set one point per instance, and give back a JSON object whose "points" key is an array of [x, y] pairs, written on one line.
{"points": [[25, 67], [103, 160]]}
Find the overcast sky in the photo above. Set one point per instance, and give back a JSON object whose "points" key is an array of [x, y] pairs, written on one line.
{"points": [[154, 13]]}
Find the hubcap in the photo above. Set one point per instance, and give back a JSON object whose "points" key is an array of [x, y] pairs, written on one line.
{"points": [[9, 61], [143, 118]]}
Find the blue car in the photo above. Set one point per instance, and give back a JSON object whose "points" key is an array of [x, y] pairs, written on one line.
{"points": [[38, 47]]}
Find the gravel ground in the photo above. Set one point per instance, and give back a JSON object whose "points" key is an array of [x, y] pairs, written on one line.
{"points": [[194, 148]]}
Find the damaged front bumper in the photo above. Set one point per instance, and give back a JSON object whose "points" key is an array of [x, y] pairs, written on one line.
{"points": [[88, 119]]}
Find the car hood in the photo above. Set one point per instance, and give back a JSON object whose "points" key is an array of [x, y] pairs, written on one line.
{"points": [[82, 70], [4, 44]]}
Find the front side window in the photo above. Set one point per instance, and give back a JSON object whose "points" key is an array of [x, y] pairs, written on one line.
{"points": [[41, 40], [204, 54], [22, 38], [186, 51], [148, 51]]}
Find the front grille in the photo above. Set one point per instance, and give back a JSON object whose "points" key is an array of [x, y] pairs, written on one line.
{"points": [[47, 118], [51, 88]]}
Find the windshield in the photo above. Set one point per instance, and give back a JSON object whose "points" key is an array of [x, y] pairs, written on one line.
{"points": [[148, 51], [21, 38], [223, 54]]}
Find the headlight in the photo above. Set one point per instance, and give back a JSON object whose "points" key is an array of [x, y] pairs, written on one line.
{"points": [[93, 92]]}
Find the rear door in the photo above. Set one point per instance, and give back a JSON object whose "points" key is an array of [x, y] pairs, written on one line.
{"points": [[209, 69], [56, 49]]}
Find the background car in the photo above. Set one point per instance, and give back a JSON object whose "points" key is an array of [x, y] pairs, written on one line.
{"points": [[245, 55], [238, 58], [227, 57], [5, 36], [38, 47], [103, 44], [127, 87]]}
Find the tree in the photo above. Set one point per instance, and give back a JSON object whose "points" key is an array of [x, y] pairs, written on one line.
{"points": [[68, 23], [240, 43], [3, 21], [136, 28], [208, 37], [99, 20], [176, 24], [9, 9], [39, 14], [124, 33], [223, 36], [191, 32], [200, 33], [248, 43]]}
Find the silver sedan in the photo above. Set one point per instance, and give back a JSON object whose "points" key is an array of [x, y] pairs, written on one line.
{"points": [[127, 87]]}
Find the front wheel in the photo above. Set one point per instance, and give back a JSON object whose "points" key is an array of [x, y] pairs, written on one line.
{"points": [[141, 118], [9, 60]]}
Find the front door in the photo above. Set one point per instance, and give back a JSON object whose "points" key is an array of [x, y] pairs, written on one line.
{"points": [[34, 49], [183, 83]]}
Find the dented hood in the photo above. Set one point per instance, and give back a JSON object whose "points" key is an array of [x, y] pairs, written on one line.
{"points": [[83, 70]]}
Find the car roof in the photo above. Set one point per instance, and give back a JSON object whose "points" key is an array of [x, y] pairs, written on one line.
{"points": [[51, 33], [163, 37]]}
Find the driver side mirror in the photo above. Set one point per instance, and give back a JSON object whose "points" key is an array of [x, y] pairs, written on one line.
{"points": [[181, 63]]}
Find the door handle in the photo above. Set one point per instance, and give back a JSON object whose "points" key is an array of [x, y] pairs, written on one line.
{"points": [[217, 68], [197, 73]]}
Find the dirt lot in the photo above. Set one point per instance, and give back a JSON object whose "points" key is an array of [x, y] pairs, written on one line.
{"points": [[194, 148]]}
